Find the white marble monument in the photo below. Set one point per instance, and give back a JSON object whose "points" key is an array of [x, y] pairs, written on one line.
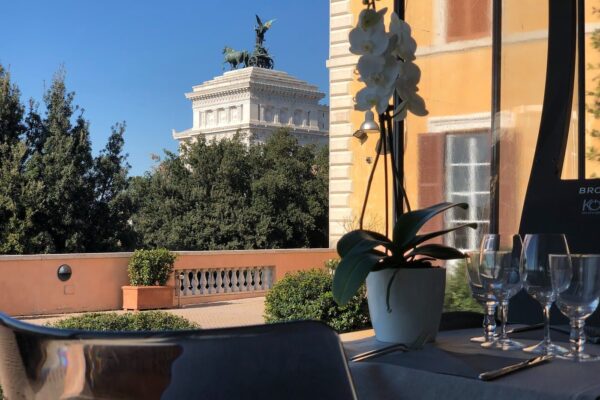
{"points": [[256, 102]]}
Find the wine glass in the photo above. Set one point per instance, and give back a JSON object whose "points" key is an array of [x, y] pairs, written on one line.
{"points": [[537, 280], [501, 276], [489, 322], [578, 280]]}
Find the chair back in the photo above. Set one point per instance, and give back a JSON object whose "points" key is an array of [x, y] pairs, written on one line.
{"points": [[296, 360]]}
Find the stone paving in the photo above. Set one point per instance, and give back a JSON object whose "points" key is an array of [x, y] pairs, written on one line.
{"points": [[209, 315]]}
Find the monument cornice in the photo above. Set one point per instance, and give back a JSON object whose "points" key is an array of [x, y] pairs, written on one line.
{"points": [[217, 93]]}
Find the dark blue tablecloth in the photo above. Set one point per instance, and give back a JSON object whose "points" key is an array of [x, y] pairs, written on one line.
{"points": [[448, 369]]}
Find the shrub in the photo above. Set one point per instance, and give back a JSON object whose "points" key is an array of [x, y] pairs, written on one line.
{"points": [[458, 295], [150, 267], [136, 321], [307, 295]]}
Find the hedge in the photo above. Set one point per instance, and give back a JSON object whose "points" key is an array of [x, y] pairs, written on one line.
{"points": [[132, 321]]}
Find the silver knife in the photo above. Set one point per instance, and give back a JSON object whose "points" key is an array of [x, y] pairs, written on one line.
{"points": [[488, 376], [379, 352]]}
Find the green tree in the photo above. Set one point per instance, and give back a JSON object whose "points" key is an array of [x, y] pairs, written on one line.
{"points": [[12, 157], [289, 196], [62, 164], [229, 195], [109, 228]]}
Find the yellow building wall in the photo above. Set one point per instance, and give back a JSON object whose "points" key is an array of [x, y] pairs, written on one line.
{"points": [[456, 81]]}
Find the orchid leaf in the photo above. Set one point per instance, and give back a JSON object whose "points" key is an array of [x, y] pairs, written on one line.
{"points": [[352, 239], [409, 224], [423, 238], [351, 274], [437, 251]]}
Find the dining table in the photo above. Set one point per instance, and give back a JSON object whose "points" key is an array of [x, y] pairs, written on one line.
{"points": [[449, 368]]}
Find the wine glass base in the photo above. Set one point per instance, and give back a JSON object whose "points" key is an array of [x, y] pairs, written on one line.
{"points": [[503, 344], [477, 339], [579, 357], [546, 349]]}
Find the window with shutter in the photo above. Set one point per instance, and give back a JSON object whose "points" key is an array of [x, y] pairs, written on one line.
{"points": [[467, 19], [431, 174]]}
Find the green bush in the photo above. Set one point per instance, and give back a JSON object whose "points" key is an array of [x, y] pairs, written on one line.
{"points": [[132, 321], [307, 295], [150, 267], [458, 295]]}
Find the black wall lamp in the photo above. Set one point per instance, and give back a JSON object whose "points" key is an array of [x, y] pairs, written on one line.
{"points": [[64, 272]]}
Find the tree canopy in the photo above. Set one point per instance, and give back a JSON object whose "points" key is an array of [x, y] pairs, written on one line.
{"points": [[57, 197], [229, 195]]}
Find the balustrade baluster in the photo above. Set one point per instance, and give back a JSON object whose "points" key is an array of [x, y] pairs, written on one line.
{"points": [[179, 283], [211, 282], [243, 280], [203, 281], [253, 282], [194, 282], [198, 278], [227, 283], [234, 280], [188, 280], [220, 281]]}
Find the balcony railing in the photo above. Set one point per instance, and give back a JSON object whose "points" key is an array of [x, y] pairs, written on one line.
{"points": [[210, 281]]}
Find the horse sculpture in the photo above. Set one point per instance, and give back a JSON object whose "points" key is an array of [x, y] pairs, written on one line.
{"points": [[235, 58]]}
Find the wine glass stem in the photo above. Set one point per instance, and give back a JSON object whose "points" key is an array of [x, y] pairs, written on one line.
{"points": [[547, 323], [504, 318], [490, 321], [577, 337]]}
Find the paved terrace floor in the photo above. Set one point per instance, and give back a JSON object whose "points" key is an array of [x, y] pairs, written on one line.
{"points": [[210, 315]]}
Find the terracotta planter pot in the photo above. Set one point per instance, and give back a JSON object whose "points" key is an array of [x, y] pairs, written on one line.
{"points": [[147, 297], [416, 301]]}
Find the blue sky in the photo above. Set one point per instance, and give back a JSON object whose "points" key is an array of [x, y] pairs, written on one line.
{"points": [[133, 60]]}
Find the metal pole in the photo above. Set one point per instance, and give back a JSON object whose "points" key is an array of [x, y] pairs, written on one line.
{"points": [[399, 8], [496, 108], [581, 89]]}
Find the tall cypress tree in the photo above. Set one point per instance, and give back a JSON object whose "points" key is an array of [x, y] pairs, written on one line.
{"points": [[61, 161], [109, 228], [11, 110], [12, 156]]}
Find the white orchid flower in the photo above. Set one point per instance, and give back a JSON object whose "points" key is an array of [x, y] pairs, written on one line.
{"points": [[406, 45], [370, 97], [379, 71], [386, 65], [369, 37], [371, 20], [409, 79]]}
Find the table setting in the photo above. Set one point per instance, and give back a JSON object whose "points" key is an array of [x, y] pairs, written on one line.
{"points": [[501, 360]]}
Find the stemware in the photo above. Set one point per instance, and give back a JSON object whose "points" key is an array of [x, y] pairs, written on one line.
{"points": [[537, 280], [478, 293], [501, 276], [578, 281]]}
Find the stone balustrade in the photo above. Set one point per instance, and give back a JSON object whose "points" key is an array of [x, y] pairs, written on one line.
{"points": [[210, 281]]}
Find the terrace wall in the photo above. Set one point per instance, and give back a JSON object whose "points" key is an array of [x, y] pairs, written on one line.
{"points": [[29, 284]]}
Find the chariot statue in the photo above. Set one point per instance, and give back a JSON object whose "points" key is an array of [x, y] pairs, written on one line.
{"points": [[260, 56], [235, 58], [261, 29]]}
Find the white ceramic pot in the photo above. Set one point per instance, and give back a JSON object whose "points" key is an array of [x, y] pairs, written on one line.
{"points": [[416, 301]]}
